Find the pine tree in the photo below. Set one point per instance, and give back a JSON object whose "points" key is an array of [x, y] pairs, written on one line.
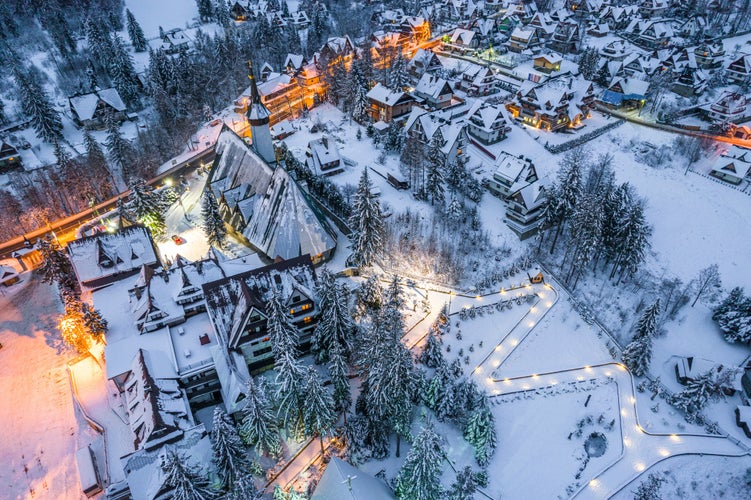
{"points": [[398, 78], [369, 296], [213, 224], [279, 493], [464, 487], [733, 316], [698, 393], [244, 488], [38, 108], [289, 372], [358, 93], [589, 63], [205, 10], [95, 324], [368, 230], [432, 354], [420, 476], [120, 150], [72, 326], [56, 268], [480, 432], [99, 42], [586, 224], [148, 207], [438, 394], [122, 72], [186, 481], [319, 417], [228, 453], [221, 13], [434, 184], [637, 355], [335, 326], [258, 422], [339, 373], [647, 324], [135, 33]]}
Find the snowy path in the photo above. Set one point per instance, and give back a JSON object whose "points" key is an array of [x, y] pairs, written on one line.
{"points": [[641, 449]]}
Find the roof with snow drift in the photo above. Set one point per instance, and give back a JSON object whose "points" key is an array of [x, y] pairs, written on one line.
{"points": [[282, 222], [84, 106], [342, 481], [105, 257]]}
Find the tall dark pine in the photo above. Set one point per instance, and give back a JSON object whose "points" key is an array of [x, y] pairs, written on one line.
{"points": [[733, 316], [213, 224], [368, 230], [258, 421], [94, 322], [339, 373], [122, 72], [148, 207], [186, 482], [56, 267], [135, 33], [228, 453], [120, 150], [319, 416], [289, 372], [481, 434], [336, 324], [38, 107], [647, 324], [205, 10], [420, 476]]}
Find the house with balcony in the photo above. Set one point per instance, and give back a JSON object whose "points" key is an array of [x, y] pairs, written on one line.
{"points": [[655, 34], [478, 80], [625, 93], [427, 126], [175, 41], [461, 40], [523, 39], [90, 109], [693, 28], [9, 157], [543, 25], [424, 61], [322, 155], [616, 50], [739, 70], [710, 55], [387, 104], [690, 82], [554, 105], [433, 92], [617, 18], [730, 107], [525, 207], [510, 172], [566, 38], [487, 122]]}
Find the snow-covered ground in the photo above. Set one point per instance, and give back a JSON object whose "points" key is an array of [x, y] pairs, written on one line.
{"points": [[40, 428]]}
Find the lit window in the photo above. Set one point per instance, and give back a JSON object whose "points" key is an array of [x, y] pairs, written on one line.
{"points": [[305, 307], [307, 320], [292, 311]]}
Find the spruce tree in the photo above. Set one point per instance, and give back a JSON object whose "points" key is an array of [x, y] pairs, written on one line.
{"points": [[733, 316], [336, 324], [185, 481], [94, 153], [94, 322], [228, 453], [420, 476], [122, 72], [649, 489], [368, 230], [480, 432], [244, 488], [135, 33], [647, 324], [213, 224], [205, 10], [56, 268], [148, 207], [434, 183], [339, 373], [38, 107], [432, 354], [319, 416], [699, 392], [258, 421], [637, 355], [120, 150], [221, 13], [289, 372], [369, 296], [465, 486]]}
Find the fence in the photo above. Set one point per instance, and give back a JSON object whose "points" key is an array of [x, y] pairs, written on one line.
{"points": [[578, 141]]}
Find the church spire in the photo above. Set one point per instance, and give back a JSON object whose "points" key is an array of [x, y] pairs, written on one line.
{"points": [[258, 119], [254, 97]]}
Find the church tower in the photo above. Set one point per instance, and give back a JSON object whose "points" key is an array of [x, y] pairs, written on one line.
{"points": [[258, 117]]}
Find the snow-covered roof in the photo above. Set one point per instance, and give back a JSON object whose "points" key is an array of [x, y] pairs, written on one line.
{"points": [[432, 86], [382, 94], [462, 37], [105, 257], [550, 57], [524, 34], [510, 168], [143, 468], [323, 153], [85, 105], [735, 162], [484, 115], [283, 223], [232, 371], [342, 481]]}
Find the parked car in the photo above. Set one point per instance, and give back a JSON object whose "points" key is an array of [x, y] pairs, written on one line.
{"points": [[179, 240]]}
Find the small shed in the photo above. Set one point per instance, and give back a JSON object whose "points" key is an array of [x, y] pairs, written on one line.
{"points": [[547, 63]]}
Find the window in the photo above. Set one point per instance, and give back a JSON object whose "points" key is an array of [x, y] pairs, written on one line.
{"points": [[305, 307], [307, 319]]}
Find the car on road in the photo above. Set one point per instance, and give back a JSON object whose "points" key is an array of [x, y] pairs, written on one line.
{"points": [[179, 240]]}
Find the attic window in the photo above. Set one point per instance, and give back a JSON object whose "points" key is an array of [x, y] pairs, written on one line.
{"points": [[277, 279], [204, 339]]}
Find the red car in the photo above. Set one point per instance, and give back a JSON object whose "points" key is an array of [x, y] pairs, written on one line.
{"points": [[178, 239]]}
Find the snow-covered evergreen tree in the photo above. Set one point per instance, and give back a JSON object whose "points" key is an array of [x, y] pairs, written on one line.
{"points": [[135, 33], [480, 432], [586, 224], [700, 391], [339, 373], [438, 395], [589, 63], [420, 476], [94, 153], [213, 224], [244, 488], [94, 322], [148, 207], [319, 416], [258, 421], [647, 324], [368, 230], [398, 77], [228, 453], [369, 296], [465, 486], [432, 354], [635, 234], [434, 183], [205, 10], [120, 150], [733, 316], [637, 355], [37, 107], [185, 481], [289, 372], [335, 325], [221, 13], [56, 268], [122, 72]]}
